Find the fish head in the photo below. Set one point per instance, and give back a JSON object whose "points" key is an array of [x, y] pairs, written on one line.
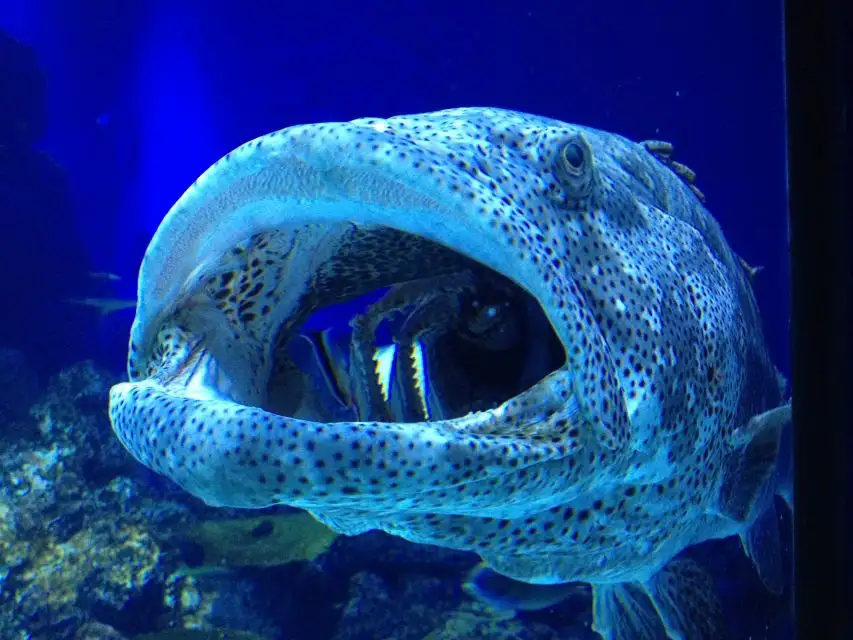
{"points": [[588, 232]]}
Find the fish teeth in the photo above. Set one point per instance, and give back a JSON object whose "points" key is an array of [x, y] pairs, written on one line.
{"points": [[383, 358], [384, 370], [417, 356]]}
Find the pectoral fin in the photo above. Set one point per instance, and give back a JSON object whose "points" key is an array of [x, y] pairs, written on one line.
{"points": [[676, 603], [625, 612], [751, 464], [762, 545], [683, 594]]}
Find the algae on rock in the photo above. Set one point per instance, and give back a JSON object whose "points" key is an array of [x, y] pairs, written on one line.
{"points": [[264, 541]]}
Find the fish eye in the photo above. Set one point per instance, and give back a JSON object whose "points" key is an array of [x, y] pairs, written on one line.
{"points": [[572, 156], [574, 168]]}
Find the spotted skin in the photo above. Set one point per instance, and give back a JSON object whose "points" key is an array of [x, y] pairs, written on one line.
{"points": [[602, 472]]}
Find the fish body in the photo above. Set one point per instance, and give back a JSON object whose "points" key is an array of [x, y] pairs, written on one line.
{"points": [[640, 442]]}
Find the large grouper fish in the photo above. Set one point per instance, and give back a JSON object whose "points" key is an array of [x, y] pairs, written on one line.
{"points": [[579, 391]]}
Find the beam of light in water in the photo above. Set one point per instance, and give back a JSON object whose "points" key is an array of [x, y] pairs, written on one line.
{"points": [[176, 118]]}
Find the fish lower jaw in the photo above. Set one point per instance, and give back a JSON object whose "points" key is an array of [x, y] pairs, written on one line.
{"points": [[233, 455]]}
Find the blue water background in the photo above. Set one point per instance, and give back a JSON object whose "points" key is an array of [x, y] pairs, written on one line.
{"points": [[143, 97]]}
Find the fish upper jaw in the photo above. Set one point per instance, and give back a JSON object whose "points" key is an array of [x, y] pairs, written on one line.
{"points": [[329, 175]]}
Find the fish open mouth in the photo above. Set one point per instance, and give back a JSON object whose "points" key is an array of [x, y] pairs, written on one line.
{"points": [[453, 372], [393, 328], [445, 336]]}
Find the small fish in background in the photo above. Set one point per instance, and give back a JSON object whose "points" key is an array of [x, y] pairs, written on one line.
{"points": [[103, 275], [105, 306]]}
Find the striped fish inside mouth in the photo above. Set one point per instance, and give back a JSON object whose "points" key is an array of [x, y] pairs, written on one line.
{"points": [[433, 348]]}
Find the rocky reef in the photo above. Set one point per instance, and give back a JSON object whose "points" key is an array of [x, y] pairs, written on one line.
{"points": [[94, 546]]}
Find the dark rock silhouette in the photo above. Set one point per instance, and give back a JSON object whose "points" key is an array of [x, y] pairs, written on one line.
{"points": [[42, 260]]}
